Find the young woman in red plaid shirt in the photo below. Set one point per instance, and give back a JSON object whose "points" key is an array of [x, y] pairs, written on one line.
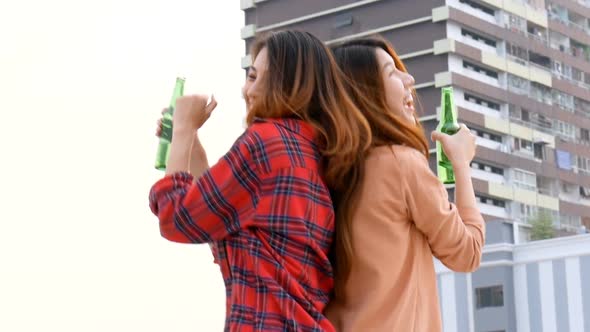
{"points": [[265, 207]]}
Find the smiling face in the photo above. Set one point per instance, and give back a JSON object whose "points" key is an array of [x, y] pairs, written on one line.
{"points": [[252, 89], [398, 86]]}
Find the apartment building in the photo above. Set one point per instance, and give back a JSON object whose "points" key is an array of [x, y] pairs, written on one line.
{"points": [[521, 75]]}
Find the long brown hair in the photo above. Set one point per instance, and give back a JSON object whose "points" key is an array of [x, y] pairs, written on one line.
{"points": [[358, 60], [303, 81]]}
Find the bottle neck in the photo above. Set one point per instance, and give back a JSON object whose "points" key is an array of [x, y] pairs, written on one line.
{"points": [[178, 92], [447, 111]]}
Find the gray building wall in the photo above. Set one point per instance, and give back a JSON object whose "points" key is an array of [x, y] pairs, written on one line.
{"points": [[498, 268], [585, 276], [561, 305], [534, 298], [499, 232], [461, 299], [495, 318]]}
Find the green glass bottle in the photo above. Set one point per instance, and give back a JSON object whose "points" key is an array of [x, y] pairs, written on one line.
{"points": [[166, 135], [447, 125]]}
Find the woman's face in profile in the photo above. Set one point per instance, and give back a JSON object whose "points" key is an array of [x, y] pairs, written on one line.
{"points": [[398, 87], [252, 89]]}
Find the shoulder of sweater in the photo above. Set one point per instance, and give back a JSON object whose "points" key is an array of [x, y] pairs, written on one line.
{"points": [[398, 157]]}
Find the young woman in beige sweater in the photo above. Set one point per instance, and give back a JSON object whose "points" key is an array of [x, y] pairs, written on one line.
{"points": [[395, 214]]}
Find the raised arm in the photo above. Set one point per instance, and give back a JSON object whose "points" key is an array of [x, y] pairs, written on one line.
{"points": [[455, 234], [216, 205], [212, 203]]}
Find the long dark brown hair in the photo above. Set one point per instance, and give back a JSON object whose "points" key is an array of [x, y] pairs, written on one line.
{"points": [[303, 81], [358, 61]]}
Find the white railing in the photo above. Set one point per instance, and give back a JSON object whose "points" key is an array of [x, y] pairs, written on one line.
{"points": [[477, 44], [472, 11], [487, 143], [570, 197], [547, 191], [492, 210], [480, 77], [487, 176], [478, 108]]}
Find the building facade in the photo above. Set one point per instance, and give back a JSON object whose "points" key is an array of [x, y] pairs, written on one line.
{"points": [[521, 74]]}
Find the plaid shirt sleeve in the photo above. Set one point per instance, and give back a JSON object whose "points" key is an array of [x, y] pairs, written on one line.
{"points": [[218, 204]]}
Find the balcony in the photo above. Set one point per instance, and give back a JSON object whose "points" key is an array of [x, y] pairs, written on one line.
{"points": [[493, 145], [477, 44], [480, 77], [526, 154], [541, 94], [472, 106], [487, 176], [569, 223], [570, 195], [473, 10], [535, 124], [547, 191], [569, 19], [578, 22], [492, 210]]}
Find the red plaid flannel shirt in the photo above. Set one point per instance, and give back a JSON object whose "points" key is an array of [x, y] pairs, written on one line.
{"points": [[268, 216]]}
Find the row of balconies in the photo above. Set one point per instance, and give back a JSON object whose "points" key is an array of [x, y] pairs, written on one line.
{"points": [[525, 58], [521, 86], [566, 131], [530, 29], [523, 213]]}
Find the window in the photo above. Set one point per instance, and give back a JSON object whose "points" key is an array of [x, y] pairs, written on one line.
{"points": [[518, 85], [481, 70], [487, 168], [566, 130], [562, 70], [487, 135], [582, 106], [539, 150], [518, 54], [542, 121], [577, 75], [480, 101], [478, 6], [569, 221], [539, 5], [490, 201], [567, 187], [489, 297], [525, 180], [541, 93], [526, 212], [523, 145], [584, 134], [526, 144], [584, 164], [515, 23], [342, 21], [563, 100], [478, 37]]}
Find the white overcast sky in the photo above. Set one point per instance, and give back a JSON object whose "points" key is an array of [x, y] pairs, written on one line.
{"points": [[81, 86]]}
